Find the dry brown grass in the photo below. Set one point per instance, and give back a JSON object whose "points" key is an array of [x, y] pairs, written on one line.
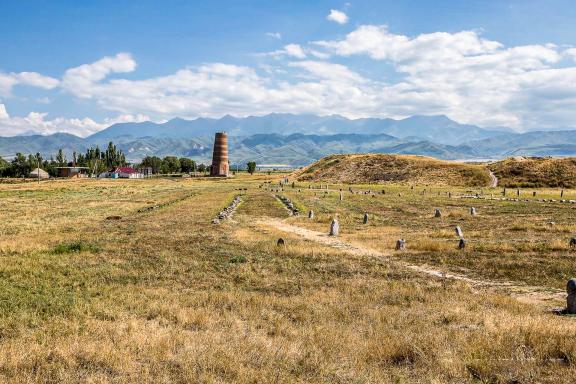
{"points": [[165, 296], [536, 172], [380, 168]]}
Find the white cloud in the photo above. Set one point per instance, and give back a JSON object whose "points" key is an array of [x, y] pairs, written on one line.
{"points": [[274, 35], [37, 123], [337, 16], [81, 80], [3, 113], [295, 50], [329, 71], [571, 52], [463, 75], [467, 77], [33, 79], [289, 50]]}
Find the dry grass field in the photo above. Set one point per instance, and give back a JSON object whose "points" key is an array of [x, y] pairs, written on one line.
{"points": [[116, 281]]}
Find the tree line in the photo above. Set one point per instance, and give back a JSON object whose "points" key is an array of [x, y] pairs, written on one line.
{"points": [[98, 161], [95, 159]]}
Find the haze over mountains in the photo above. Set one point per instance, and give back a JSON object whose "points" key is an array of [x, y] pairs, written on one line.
{"points": [[297, 140]]}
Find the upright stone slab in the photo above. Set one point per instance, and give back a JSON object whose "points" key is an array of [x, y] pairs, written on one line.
{"points": [[473, 211], [461, 244], [366, 218], [400, 244], [311, 214], [437, 213], [334, 228], [341, 196], [571, 298], [459, 231]]}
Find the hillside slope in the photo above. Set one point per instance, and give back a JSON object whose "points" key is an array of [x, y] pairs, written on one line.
{"points": [[376, 168], [536, 172]]}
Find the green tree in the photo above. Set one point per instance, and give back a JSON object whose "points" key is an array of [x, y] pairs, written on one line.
{"points": [[153, 162], [170, 164], [61, 158], [251, 166], [4, 168], [20, 166], [187, 165]]}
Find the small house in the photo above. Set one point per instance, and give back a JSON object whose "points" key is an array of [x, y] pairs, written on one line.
{"points": [[123, 173], [72, 171], [39, 174]]}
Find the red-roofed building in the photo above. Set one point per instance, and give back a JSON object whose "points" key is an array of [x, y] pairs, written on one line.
{"points": [[123, 173]]}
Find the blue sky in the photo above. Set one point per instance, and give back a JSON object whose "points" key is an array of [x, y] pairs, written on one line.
{"points": [[77, 66]]}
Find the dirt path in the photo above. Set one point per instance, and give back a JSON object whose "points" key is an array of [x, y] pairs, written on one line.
{"points": [[522, 292], [493, 179]]}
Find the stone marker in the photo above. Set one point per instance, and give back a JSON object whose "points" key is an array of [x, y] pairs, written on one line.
{"points": [[562, 193], [311, 215], [459, 231], [573, 242], [462, 244], [366, 218], [280, 242], [341, 196], [504, 192], [534, 194], [473, 211], [334, 227], [571, 298], [449, 195], [518, 192], [400, 244], [437, 213]]}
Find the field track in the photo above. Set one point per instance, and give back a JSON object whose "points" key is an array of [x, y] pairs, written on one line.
{"points": [[522, 292]]}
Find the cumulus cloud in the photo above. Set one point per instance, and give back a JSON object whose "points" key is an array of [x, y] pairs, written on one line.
{"points": [[463, 75], [571, 52], [337, 16], [329, 71], [38, 123], [476, 80], [295, 50], [81, 80], [289, 50], [33, 79]]}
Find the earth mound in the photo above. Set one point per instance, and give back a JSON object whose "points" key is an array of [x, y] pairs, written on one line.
{"points": [[535, 172], [402, 169]]}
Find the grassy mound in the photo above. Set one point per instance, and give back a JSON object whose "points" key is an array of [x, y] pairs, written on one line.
{"points": [[535, 172], [380, 168]]}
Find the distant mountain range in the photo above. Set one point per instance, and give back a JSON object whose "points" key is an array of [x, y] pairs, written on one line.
{"points": [[298, 140]]}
